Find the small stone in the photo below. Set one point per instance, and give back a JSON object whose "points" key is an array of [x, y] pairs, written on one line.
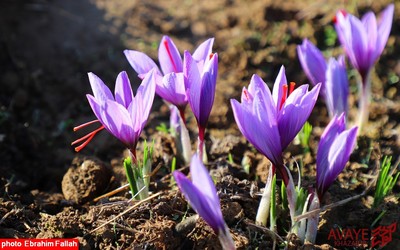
{"points": [[85, 180]]}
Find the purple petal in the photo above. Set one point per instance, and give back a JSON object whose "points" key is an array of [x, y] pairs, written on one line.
{"points": [[100, 91], [336, 87], [207, 92], [312, 61], [123, 90], [96, 107], [202, 180], [371, 29], [384, 27], [264, 137], [257, 84], [169, 56], [140, 62], [200, 203], [203, 52], [173, 89], [295, 112], [278, 87], [193, 83], [147, 91], [118, 122], [354, 40]]}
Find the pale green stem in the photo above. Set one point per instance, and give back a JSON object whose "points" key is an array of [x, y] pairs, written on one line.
{"points": [[185, 142], [265, 202], [312, 222], [201, 150], [364, 101]]}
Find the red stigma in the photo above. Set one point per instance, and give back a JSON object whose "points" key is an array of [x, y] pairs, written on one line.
{"points": [[285, 92], [87, 138], [170, 55], [291, 88], [284, 95], [210, 56], [246, 94], [343, 12]]}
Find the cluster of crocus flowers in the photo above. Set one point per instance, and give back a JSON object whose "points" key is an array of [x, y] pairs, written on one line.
{"points": [[363, 42], [124, 115], [271, 121], [332, 76], [202, 196], [181, 81]]}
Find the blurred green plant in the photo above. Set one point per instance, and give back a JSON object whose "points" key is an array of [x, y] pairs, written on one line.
{"points": [[246, 164], [330, 36], [272, 210], [173, 167], [387, 178], [304, 136], [163, 128], [139, 175]]}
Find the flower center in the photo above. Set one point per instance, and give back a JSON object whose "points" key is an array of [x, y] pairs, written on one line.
{"points": [[170, 55], [87, 138], [285, 93]]}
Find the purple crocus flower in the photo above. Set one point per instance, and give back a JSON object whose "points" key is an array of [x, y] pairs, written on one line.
{"points": [[332, 76], [334, 149], [123, 116], [202, 196], [364, 40], [170, 82], [200, 82], [270, 122]]}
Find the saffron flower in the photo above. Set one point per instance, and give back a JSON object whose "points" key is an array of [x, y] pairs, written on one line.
{"points": [[202, 196], [332, 76], [200, 82], [363, 41], [123, 116], [270, 122], [170, 82], [334, 150]]}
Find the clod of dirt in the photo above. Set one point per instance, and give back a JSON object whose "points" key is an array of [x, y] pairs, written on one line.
{"points": [[86, 179]]}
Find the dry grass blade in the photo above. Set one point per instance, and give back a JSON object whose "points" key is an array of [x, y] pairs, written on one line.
{"points": [[126, 211]]}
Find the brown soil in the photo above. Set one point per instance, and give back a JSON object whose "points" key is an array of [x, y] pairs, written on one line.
{"points": [[47, 190]]}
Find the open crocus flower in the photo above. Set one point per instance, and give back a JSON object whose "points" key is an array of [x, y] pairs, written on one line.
{"points": [[364, 40], [170, 82], [123, 116], [202, 196], [334, 149], [270, 122], [200, 82], [332, 76]]}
